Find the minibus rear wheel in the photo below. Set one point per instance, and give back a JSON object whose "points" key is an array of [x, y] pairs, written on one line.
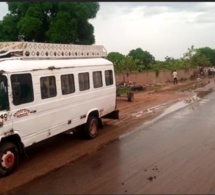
{"points": [[8, 158], [91, 127]]}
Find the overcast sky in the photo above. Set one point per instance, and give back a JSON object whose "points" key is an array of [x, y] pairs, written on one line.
{"points": [[161, 28]]}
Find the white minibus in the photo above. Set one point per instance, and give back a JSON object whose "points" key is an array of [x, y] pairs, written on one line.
{"points": [[47, 89]]}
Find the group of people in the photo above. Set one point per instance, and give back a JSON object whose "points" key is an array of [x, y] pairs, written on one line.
{"points": [[207, 71]]}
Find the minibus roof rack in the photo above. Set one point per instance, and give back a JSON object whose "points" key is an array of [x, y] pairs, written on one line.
{"points": [[37, 50]]}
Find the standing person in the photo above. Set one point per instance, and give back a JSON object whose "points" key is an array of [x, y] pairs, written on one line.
{"points": [[213, 71], [175, 79], [201, 71]]}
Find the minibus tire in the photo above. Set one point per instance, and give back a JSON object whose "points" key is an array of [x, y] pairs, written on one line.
{"points": [[80, 131], [91, 127], [8, 158]]}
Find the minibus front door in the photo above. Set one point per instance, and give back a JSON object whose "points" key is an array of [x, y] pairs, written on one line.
{"points": [[5, 116]]}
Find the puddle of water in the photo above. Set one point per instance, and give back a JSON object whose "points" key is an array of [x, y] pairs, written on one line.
{"points": [[172, 108], [138, 115], [167, 111], [159, 106], [175, 107]]}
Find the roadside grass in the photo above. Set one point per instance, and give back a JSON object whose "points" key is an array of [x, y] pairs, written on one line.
{"points": [[186, 86], [156, 86]]}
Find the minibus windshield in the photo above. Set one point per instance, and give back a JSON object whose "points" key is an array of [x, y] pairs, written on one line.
{"points": [[4, 104]]}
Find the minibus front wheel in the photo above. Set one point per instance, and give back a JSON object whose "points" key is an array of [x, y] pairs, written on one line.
{"points": [[8, 158]]}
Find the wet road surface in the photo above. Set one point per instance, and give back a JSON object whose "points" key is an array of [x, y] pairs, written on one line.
{"points": [[173, 154]]}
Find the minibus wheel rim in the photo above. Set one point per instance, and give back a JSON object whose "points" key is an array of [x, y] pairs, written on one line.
{"points": [[8, 160], [93, 128]]}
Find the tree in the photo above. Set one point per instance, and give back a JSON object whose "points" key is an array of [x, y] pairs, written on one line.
{"points": [[55, 22], [8, 30], [188, 55], [200, 59], [205, 56], [129, 64], [144, 57], [117, 59]]}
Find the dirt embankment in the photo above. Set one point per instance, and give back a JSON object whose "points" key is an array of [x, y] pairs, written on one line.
{"points": [[63, 149]]}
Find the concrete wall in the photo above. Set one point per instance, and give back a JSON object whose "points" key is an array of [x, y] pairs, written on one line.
{"points": [[147, 78]]}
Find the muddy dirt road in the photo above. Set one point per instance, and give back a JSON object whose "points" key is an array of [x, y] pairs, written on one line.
{"points": [[63, 149]]}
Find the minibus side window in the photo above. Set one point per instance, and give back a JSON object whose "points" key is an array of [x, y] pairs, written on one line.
{"points": [[22, 88], [67, 84], [84, 82], [48, 87], [4, 103], [97, 79], [108, 77]]}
